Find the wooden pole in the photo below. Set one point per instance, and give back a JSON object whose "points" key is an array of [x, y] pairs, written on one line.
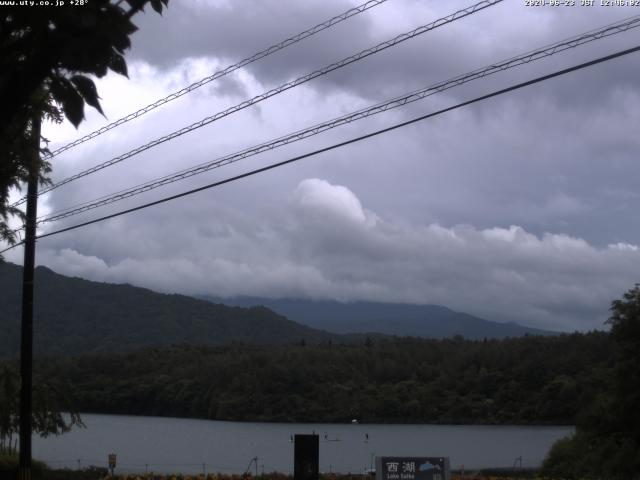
{"points": [[26, 345]]}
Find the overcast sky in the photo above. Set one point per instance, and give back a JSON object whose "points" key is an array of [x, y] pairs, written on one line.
{"points": [[522, 208]]}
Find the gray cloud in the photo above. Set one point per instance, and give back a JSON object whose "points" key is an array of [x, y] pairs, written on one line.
{"points": [[520, 208], [326, 244], [228, 32]]}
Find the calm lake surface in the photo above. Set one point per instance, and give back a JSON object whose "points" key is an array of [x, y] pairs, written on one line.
{"points": [[191, 446]]}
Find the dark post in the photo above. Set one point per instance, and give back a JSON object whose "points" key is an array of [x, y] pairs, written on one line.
{"points": [[26, 346], [305, 457]]}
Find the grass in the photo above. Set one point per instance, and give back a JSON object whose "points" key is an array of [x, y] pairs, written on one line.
{"points": [[9, 465], [39, 471]]}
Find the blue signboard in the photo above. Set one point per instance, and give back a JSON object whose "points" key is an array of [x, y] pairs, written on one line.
{"points": [[412, 468]]}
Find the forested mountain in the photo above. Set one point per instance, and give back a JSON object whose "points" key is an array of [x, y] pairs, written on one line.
{"points": [[74, 316], [190, 367], [532, 380], [426, 321]]}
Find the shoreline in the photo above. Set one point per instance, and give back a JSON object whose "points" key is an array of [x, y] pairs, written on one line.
{"points": [[361, 423]]}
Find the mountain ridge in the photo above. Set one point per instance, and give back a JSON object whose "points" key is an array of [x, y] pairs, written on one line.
{"points": [[74, 316], [426, 321]]}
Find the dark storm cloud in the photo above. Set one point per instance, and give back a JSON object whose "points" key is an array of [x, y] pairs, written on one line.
{"points": [[236, 30], [228, 31]]}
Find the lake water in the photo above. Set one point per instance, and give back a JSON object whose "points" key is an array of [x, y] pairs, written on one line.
{"points": [[193, 446]]}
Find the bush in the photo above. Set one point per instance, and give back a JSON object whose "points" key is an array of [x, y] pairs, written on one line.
{"points": [[9, 467], [566, 459]]}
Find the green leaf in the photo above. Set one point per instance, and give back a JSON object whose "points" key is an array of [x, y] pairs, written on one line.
{"points": [[127, 27], [120, 40], [137, 4], [118, 64], [157, 6], [88, 90], [66, 95]]}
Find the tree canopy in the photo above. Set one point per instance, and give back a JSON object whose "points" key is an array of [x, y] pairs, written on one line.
{"points": [[47, 56], [50, 399], [530, 380], [607, 440]]}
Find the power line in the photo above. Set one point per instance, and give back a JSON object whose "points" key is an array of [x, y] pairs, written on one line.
{"points": [[294, 83], [525, 58], [342, 144], [220, 73]]}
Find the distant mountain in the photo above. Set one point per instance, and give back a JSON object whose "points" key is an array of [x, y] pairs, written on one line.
{"points": [[74, 316], [427, 321]]}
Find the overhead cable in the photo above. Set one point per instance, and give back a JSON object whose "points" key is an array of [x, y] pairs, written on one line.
{"points": [[294, 83], [503, 65], [225, 71], [341, 144]]}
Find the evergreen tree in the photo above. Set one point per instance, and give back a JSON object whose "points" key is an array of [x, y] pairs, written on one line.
{"points": [[607, 440]]}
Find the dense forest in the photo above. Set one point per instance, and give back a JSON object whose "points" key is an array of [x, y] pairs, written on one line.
{"points": [[531, 380]]}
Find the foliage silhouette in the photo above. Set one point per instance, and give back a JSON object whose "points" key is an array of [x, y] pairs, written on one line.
{"points": [[531, 380], [50, 398], [46, 57], [606, 444]]}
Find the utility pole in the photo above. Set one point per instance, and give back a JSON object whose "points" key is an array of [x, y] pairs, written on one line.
{"points": [[26, 345]]}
